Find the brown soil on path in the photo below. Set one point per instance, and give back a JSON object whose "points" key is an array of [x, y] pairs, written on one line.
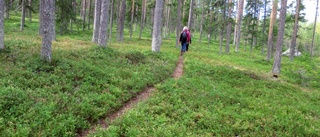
{"points": [[145, 94], [178, 72]]}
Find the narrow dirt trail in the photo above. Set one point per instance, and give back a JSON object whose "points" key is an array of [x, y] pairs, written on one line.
{"points": [[145, 94]]}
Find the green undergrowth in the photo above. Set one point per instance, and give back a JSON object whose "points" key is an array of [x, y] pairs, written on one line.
{"points": [[82, 84], [211, 100], [228, 95], [218, 94]]}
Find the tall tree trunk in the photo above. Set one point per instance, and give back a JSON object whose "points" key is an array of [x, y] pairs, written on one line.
{"points": [[277, 58], [104, 23], [30, 11], [210, 26], [40, 17], [96, 22], [84, 15], [295, 31], [167, 32], [270, 35], [264, 25], [156, 36], [223, 19], [235, 28], [152, 19], [47, 22], [314, 29], [111, 20], [239, 19], [8, 7], [132, 19], [120, 26], [190, 14], [178, 27], [23, 14], [229, 27], [2, 10], [53, 19], [90, 7], [143, 12], [202, 20]]}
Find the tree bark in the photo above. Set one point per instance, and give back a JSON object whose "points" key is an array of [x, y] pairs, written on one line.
{"points": [[104, 23], [210, 26], [46, 51], [277, 57], [89, 13], [53, 19], [30, 11], [111, 20], [132, 18], [190, 14], [270, 35], [239, 19], [178, 27], [202, 20], [2, 10], [143, 17], [156, 36], [314, 29], [120, 26], [264, 25], [23, 15], [84, 14], [96, 24], [229, 27], [295, 31]]}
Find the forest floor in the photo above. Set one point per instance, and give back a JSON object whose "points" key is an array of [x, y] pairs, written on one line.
{"points": [[145, 94]]}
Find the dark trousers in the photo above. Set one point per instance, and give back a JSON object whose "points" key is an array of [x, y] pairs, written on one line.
{"points": [[187, 47]]}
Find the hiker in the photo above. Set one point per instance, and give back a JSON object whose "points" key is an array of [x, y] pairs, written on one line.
{"points": [[189, 41], [184, 39]]}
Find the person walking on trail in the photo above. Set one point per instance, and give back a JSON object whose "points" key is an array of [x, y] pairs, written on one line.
{"points": [[184, 39], [189, 41]]}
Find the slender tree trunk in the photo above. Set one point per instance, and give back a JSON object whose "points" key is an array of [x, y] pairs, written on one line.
{"points": [[40, 17], [202, 20], [23, 15], [143, 12], [178, 27], [223, 19], [295, 31], [104, 23], [264, 25], [190, 14], [132, 19], [152, 19], [167, 32], [229, 27], [277, 58], [53, 19], [90, 7], [239, 19], [111, 20], [156, 36], [272, 22], [96, 22], [46, 50], [8, 7], [30, 11], [314, 29], [235, 27], [120, 24], [2, 10], [210, 26], [84, 14]]}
